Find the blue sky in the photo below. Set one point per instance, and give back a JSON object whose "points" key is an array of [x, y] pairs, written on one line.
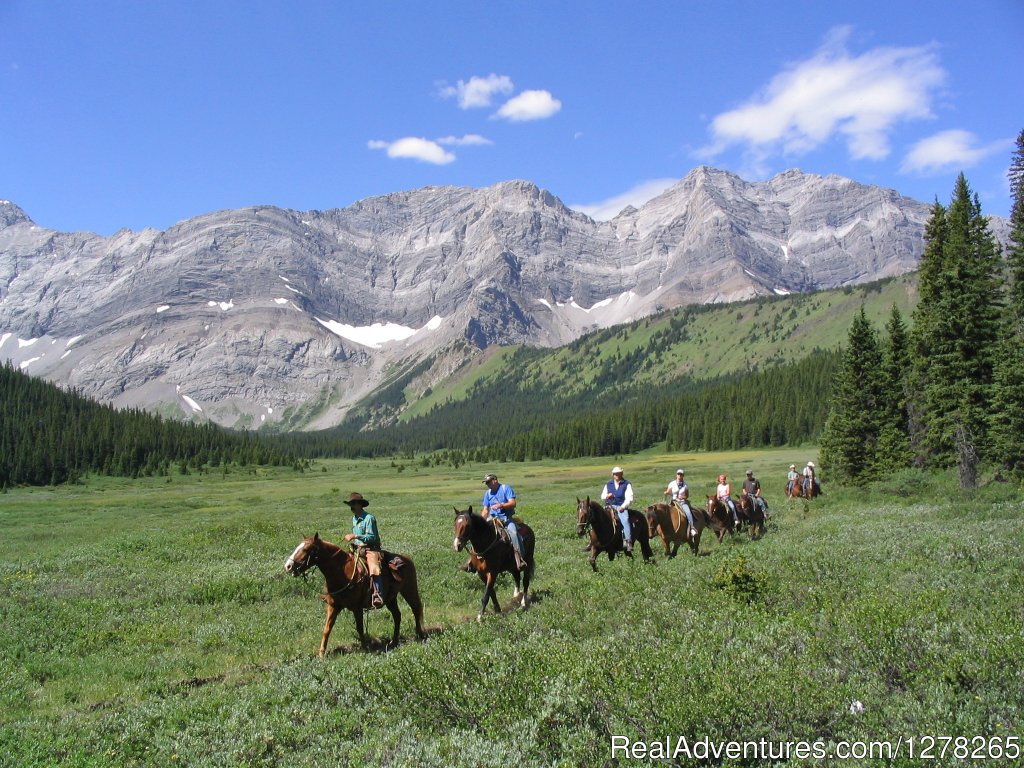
{"points": [[142, 114]]}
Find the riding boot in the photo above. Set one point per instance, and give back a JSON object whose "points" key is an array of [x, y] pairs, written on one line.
{"points": [[377, 599], [627, 546]]}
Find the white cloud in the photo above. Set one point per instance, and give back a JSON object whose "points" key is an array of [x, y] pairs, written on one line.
{"points": [[860, 98], [949, 150], [469, 140], [637, 196], [529, 105], [478, 91], [414, 148]]}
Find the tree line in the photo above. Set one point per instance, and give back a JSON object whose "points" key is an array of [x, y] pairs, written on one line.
{"points": [[950, 391], [49, 436]]}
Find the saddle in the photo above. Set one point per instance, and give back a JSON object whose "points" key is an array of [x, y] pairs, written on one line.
{"points": [[395, 564]]}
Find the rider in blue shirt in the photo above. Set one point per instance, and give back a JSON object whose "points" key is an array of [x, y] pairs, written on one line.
{"points": [[499, 501], [618, 494]]}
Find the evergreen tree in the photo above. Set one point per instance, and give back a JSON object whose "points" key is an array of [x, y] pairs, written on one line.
{"points": [[1015, 253], [957, 327], [1006, 420], [893, 439], [849, 444]]}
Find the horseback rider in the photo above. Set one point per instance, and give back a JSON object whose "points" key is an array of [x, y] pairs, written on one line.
{"points": [[618, 495], [499, 501], [367, 538], [679, 491], [725, 496], [791, 479], [752, 487], [809, 479]]}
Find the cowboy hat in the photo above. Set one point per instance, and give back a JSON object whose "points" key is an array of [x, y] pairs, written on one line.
{"points": [[357, 500]]}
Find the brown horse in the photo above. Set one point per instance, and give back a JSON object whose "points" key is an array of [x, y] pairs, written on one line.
{"points": [[720, 517], [492, 554], [798, 491], [606, 533], [751, 515], [347, 584], [675, 529]]}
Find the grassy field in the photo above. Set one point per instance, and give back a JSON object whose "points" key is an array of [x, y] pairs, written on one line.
{"points": [[150, 622]]}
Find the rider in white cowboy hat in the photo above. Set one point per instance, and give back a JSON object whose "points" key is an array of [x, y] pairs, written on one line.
{"points": [[618, 494], [791, 479], [679, 492], [809, 478]]}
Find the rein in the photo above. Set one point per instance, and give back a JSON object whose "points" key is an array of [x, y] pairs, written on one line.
{"points": [[490, 546], [590, 524], [314, 560]]}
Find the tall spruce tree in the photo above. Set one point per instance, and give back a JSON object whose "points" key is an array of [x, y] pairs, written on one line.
{"points": [[1006, 420], [893, 439], [956, 331], [849, 443]]}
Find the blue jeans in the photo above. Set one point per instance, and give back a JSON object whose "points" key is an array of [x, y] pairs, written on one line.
{"points": [[513, 532], [627, 529], [685, 506]]}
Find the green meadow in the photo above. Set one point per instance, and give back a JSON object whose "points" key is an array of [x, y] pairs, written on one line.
{"points": [[151, 623]]}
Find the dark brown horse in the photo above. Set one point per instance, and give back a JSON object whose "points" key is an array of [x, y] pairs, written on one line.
{"points": [[347, 584], [606, 533], [492, 554], [752, 515], [720, 517], [674, 527]]}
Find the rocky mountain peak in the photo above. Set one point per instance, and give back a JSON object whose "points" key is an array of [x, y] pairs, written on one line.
{"points": [[264, 315], [10, 214]]}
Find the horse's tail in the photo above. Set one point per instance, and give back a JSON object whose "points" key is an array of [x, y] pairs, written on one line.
{"points": [[409, 588]]}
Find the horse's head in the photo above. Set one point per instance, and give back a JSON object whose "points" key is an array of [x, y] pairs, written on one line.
{"points": [[463, 527], [651, 513], [713, 505], [583, 518], [305, 555]]}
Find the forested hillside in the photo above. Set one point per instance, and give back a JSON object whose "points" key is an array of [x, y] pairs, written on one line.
{"points": [[710, 377], [49, 436]]}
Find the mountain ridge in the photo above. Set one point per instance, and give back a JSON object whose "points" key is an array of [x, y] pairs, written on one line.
{"points": [[249, 313]]}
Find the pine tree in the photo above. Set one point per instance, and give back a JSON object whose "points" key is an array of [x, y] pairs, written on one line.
{"points": [[849, 443], [956, 330], [893, 439], [1006, 421]]}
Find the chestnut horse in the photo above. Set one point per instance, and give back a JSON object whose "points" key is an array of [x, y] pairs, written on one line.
{"points": [[492, 554], [347, 584], [605, 533], [751, 515], [674, 527], [720, 517]]}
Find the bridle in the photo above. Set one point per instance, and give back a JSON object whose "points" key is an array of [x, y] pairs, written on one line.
{"points": [[585, 520], [460, 541]]}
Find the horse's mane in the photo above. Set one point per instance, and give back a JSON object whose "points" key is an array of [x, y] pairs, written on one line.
{"points": [[475, 520], [330, 548]]}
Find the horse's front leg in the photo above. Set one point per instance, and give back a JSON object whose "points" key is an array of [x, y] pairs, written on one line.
{"points": [[488, 593], [595, 550], [332, 616]]}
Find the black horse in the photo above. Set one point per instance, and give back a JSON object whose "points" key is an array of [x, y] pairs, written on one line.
{"points": [[606, 532], [493, 554]]}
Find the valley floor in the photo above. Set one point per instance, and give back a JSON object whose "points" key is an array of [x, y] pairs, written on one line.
{"points": [[151, 622]]}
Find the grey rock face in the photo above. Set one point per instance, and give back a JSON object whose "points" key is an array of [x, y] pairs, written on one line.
{"points": [[269, 315]]}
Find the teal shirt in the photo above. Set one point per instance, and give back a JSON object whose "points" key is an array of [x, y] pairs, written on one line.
{"points": [[364, 526]]}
